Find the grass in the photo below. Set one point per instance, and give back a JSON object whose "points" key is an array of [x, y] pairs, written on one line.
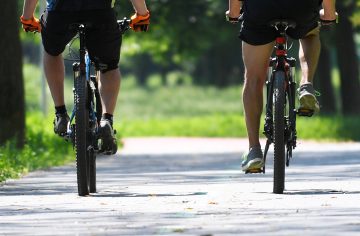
{"points": [[42, 150], [232, 125], [329, 128], [172, 101], [215, 125]]}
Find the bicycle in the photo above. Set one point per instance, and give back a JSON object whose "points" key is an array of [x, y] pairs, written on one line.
{"points": [[85, 118], [280, 116]]}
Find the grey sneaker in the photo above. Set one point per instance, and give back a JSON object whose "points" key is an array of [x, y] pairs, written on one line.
{"points": [[108, 144], [60, 124], [307, 98], [252, 160]]}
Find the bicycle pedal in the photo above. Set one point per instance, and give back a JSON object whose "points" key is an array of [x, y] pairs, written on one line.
{"points": [[254, 171], [305, 112], [108, 149]]}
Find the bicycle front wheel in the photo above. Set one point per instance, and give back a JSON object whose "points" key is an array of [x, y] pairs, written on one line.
{"points": [[279, 131], [81, 128]]}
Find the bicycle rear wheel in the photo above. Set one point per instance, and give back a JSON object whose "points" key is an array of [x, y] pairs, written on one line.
{"points": [[81, 129], [94, 98], [279, 131]]}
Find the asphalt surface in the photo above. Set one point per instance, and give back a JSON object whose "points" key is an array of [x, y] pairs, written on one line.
{"points": [[191, 187]]}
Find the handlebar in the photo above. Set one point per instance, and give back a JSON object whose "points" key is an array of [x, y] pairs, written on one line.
{"points": [[322, 22], [124, 24]]}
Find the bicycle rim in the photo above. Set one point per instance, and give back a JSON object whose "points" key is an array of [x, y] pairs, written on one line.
{"points": [[279, 131], [81, 127]]}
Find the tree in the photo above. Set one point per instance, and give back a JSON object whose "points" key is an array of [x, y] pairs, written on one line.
{"points": [[190, 34], [12, 108], [347, 58]]}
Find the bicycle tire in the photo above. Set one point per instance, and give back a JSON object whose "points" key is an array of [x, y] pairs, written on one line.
{"points": [[81, 127], [279, 131], [92, 170]]}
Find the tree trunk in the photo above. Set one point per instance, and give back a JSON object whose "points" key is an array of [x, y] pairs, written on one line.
{"points": [[347, 59], [323, 76], [220, 64], [163, 73], [142, 69], [12, 108]]}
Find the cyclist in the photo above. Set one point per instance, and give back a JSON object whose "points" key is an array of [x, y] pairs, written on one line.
{"points": [[103, 43], [257, 46]]}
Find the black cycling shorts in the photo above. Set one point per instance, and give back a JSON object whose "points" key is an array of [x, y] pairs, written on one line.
{"points": [[255, 29], [103, 39]]}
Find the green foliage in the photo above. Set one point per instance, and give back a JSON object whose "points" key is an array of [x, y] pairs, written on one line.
{"points": [[42, 149], [32, 81], [180, 30]]}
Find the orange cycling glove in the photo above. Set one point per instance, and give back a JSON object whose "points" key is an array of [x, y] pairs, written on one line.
{"points": [[140, 23], [31, 25]]}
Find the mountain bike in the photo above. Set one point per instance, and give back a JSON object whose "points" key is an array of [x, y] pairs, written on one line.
{"points": [[85, 118], [280, 116]]}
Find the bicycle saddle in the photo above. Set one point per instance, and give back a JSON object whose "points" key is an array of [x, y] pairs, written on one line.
{"points": [[282, 24]]}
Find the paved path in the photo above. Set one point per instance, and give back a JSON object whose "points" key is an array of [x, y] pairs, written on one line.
{"points": [[191, 187]]}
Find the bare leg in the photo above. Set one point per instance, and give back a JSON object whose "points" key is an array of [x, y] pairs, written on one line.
{"points": [[256, 61], [309, 55], [109, 86], [55, 73]]}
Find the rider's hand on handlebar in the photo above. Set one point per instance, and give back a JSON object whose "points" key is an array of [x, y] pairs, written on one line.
{"points": [[140, 22], [230, 18], [31, 25]]}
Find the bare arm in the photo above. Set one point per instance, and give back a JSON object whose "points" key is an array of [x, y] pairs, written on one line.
{"points": [[140, 7], [29, 8], [234, 8], [329, 11]]}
